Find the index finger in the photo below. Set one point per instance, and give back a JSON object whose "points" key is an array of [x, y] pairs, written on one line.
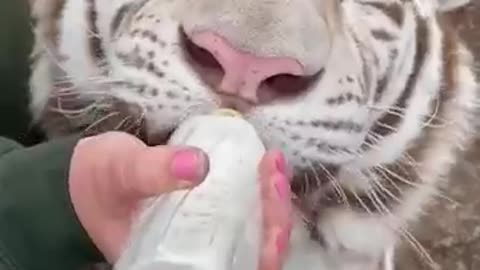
{"points": [[276, 211]]}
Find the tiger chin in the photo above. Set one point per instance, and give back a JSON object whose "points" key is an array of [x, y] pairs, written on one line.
{"points": [[372, 101]]}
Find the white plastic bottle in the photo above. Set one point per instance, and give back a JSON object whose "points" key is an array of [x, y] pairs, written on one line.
{"points": [[215, 225]]}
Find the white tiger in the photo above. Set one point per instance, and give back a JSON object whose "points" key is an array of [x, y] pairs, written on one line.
{"points": [[371, 100]]}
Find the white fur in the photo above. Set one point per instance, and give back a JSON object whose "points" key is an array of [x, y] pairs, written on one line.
{"points": [[296, 28]]}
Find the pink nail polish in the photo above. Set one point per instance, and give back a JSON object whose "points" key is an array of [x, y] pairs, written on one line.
{"points": [[189, 165], [281, 242], [280, 163], [281, 186], [282, 166]]}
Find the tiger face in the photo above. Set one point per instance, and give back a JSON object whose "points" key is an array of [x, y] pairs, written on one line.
{"points": [[314, 77], [341, 86]]}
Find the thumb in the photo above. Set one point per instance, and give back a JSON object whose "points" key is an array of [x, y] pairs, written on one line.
{"points": [[119, 167], [110, 173], [150, 171], [123, 166]]}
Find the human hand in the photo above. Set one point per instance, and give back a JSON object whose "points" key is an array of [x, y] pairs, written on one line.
{"points": [[276, 210], [112, 173]]}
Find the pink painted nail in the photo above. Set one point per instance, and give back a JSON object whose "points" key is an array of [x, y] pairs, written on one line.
{"points": [[281, 242], [280, 163], [189, 164], [282, 166], [281, 186]]}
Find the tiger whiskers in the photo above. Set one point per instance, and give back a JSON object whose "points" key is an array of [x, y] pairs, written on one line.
{"points": [[434, 116], [400, 112], [355, 194], [332, 180], [417, 246], [374, 179], [100, 120], [400, 227], [413, 165]]}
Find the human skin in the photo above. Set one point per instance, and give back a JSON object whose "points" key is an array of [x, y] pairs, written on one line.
{"points": [[112, 173]]}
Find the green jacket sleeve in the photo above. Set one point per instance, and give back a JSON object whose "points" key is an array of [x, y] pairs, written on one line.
{"points": [[38, 227], [15, 46]]}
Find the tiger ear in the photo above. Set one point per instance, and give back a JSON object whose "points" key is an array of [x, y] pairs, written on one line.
{"points": [[447, 5]]}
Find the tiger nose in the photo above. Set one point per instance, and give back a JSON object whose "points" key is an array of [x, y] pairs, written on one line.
{"points": [[243, 72]]}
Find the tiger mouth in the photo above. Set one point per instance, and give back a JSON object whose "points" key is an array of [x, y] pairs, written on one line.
{"points": [[305, 181]]}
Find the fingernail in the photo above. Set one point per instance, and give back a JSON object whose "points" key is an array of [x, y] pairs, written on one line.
{"points": [[280, 163], [281, 186], [190, 164], [282, 167], [281, 241]]}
